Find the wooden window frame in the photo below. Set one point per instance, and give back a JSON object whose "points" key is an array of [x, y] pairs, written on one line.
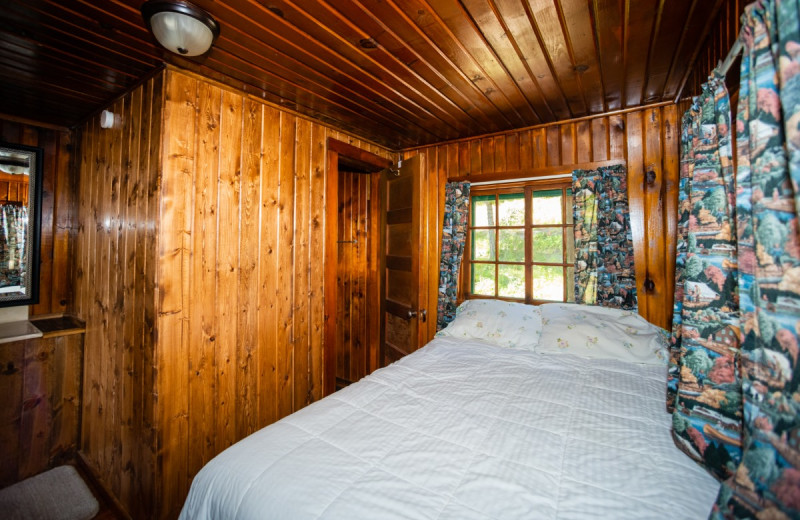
{"points": [[526, 188]]}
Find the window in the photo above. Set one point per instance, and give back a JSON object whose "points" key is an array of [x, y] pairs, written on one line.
{"points": [[520, 244]]}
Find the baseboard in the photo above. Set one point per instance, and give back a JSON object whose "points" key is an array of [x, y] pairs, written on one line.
{"points": [[107, 498]]}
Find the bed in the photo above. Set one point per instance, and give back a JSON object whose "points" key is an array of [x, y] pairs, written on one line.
{"points": [[551, 413]]}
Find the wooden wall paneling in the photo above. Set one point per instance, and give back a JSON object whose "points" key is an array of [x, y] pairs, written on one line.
{"points": [[228, 267], [583, 142], [362, 306], [634, 127], [35, 420], [599, 138], [317, 268], [330, 353], [552, 146], [246, 416], [172, 271], [671, 179], [131, 302], [373, 274], [286, 224], [143, 501], [12, 363], [640, 138], [268, 282], [301, 265], [202, 309], [568, 144], [40, 387]]}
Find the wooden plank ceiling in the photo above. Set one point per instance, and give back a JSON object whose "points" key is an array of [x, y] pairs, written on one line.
{"points": [[402, 73]]}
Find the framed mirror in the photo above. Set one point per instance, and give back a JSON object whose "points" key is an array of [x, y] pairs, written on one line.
{"points": [[20, 221]]}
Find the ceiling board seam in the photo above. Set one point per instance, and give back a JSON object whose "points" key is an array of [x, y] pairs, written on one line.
{"points": [[700, 42], [653, 38], [681, 42], [518, 50], [433, 69], [460, 45], [538, 33], [499, 61], [379, 65], [594, 15], [571, 52], [327, 98]]}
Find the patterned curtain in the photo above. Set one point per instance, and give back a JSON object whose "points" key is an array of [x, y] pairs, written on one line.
{"points": [[703, 382], [13, 226], [454, 233], [604, 273], [766, 484]]}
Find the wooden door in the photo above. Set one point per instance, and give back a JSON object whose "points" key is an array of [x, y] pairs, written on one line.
{"points": [[402, 301]]}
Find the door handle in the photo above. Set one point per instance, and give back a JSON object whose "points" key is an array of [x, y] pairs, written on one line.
{"points": [[423, 315]]}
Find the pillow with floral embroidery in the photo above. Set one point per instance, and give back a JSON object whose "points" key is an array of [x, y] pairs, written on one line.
{"points": [[601, 332], [505, 324]]}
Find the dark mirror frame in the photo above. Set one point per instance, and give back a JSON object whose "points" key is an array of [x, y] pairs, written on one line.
{"points": [[31, 294]]}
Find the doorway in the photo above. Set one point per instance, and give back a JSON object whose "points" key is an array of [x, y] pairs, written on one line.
{"points": [[351, 348]]}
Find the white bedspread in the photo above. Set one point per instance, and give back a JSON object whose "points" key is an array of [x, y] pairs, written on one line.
{"points": [[465, 430]]}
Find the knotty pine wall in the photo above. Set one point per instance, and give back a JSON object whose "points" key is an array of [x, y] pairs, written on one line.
{"points": [[646, 139], [114, 279], [199, 275]]}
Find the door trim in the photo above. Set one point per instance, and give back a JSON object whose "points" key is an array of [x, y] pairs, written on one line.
{"points": [[353, 159]]}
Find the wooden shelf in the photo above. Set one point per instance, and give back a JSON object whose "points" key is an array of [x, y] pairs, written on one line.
{"points": [[60, 326]]}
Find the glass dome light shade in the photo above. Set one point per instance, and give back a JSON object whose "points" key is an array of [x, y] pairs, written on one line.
{"points": [[180, 27]]}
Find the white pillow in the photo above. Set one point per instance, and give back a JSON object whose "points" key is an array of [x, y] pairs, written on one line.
{"points": [[506, 324], [601, 332]]}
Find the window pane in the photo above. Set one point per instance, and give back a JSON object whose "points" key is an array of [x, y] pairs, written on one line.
{"points": [[483, 210], [512, 245], [548, 282], [570, 206], [483, 244], [570, 284], [548, 245], [547, 207], [511, 279], [512, 209], [483, 279]]}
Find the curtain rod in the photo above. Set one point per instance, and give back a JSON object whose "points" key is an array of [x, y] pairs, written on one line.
{"points": [[723, 66]]}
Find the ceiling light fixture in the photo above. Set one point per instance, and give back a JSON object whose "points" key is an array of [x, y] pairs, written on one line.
{"points": [[180, 27]]}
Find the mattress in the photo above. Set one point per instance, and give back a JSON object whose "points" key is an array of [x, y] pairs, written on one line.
{"points": [[467, 430]]}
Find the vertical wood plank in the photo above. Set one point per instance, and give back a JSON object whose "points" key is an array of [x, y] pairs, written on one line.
{"points": [[568, 143], [171, 353], [285, 342], [671, 176], [317, 268], [583, 140], [302, 268], [228, 267], [600, 139], [511, 155], [268, 268], [635, 148], [654, 214], [247, 345], [553, 145]]}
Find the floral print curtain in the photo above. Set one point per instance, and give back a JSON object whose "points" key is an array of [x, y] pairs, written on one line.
{"points": [[604, 273], [704, 390], [761, 468], [454, 232], [13, 226]]}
